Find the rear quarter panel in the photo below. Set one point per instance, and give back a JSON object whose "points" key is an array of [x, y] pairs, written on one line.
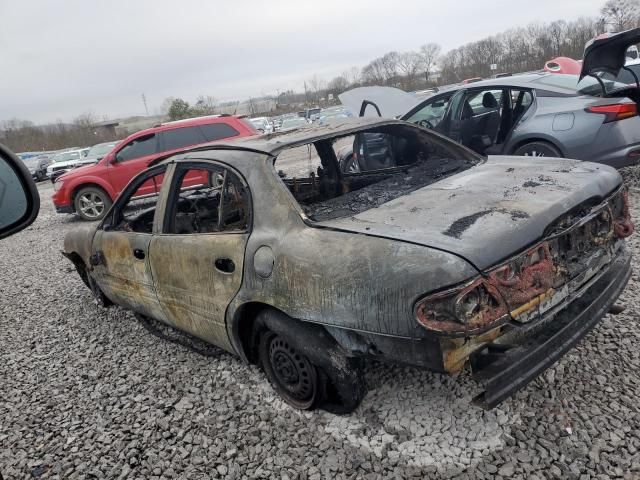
{"points": [[331, 277]]}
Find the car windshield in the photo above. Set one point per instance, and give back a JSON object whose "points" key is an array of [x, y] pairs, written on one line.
{"points": [[101, 149], [66, 156], [31, 161], [294, 122], [586, 86]]}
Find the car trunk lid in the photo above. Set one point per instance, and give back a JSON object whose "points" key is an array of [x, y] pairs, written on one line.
{"points": [[489, 212], [607, 52]]}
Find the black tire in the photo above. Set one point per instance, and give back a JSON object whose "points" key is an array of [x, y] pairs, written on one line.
{"points": [[92, 203], [290, 373], [538, 149], [334, 381]]}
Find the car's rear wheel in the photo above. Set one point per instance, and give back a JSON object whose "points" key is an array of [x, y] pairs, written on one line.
{"points": [[537, 149], [92, 203], [305, 365], [290, 373]]}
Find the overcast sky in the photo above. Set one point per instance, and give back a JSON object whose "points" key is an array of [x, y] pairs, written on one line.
{"points": [[59, 59]]}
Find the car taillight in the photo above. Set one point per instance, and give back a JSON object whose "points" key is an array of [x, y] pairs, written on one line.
{"points": [[472, 308], [615, 112]]}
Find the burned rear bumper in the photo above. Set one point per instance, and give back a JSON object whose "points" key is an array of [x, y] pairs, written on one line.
{"points": [[503, 369]]}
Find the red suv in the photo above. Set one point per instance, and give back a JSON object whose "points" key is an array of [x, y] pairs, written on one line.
{"points": [[90, 191]]}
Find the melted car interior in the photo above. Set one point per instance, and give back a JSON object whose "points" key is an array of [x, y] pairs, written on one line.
{"points": [[346, 175]]}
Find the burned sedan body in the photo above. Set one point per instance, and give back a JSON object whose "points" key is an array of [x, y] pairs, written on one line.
{"points": [[434, 257]]}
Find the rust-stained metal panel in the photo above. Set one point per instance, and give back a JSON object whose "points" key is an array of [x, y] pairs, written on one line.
{"points": [[194, 294], [124, 278]]}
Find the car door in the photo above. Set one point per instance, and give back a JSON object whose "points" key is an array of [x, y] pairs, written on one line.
{"points": [[197, 262], [120, 253], [132, 159]]}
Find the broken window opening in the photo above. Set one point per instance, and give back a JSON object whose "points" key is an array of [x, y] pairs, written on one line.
{"points": [[358, 172], [208, 200]]}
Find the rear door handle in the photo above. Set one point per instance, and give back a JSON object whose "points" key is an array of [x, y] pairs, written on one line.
{"points": [[225, 265], [138, 253]]}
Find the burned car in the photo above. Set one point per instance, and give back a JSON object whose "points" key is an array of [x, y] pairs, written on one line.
{"points": [[436, 257]]}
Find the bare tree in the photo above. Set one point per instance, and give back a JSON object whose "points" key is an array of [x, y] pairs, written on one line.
{"points": [[429, 53], [338, 85], [316, 84], [621, 14], [409, 65], [353, 75]]}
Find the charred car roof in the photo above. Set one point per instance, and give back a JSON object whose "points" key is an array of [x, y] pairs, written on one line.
{"points": [[274, 143]]}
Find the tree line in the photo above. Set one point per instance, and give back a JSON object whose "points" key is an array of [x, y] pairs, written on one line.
{"points": [[516, 50]]}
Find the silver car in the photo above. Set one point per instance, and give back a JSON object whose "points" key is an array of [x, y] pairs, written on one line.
{"points": [[588, 117]]}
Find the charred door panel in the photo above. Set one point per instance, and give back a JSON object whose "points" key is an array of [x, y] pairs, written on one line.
{"points": [[196, 278], [123, 273]]}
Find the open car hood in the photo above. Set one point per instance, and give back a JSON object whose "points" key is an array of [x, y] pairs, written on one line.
{"points": [[392, 102], [489, 212], [607, 52]]}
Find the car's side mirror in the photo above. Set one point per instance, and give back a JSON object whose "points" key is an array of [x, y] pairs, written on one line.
{"points": [[113, 158], [19, 199]]}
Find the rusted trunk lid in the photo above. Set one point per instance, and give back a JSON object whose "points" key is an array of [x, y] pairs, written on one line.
{"points": [[489, 212]]}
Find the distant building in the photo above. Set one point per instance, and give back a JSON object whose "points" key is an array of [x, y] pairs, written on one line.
{"points": [[106, 128]]}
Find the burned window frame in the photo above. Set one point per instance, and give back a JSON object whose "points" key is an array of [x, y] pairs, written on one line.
{"points": [[329, 161], [174, 191], [114, 216]]}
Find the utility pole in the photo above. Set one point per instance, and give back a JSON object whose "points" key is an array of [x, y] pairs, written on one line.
{"points": [[144, 100]]}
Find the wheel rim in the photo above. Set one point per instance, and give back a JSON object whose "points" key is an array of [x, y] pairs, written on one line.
{"points": [[91, 204], [534, 153], [293, 372]]}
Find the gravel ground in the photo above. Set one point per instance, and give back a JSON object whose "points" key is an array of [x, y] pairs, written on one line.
{"points": [[89, 393]]}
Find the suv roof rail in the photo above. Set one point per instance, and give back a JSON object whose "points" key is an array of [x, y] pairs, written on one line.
{"points": [[190, 119]]}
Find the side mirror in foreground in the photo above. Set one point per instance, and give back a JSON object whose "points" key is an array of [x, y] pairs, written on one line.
{"points": [[19, 199]]}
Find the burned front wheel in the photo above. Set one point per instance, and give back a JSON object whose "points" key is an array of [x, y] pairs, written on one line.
{"points": [[290, 373]]}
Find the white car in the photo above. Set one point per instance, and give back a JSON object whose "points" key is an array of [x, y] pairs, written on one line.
{"points": [[262, 124], [64, 161]]}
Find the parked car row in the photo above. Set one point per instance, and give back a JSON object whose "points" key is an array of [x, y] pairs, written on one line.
{"points": [[301, 119]]}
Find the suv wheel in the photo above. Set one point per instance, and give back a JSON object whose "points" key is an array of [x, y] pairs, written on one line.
{"points": [[92, 203], [537, 149]]}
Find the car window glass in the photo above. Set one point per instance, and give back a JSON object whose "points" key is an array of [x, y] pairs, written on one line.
{"points": [[136, 214], [209, 200], [140, 147], [431, 114], [484, 101], [217, 131], [182, 137]]}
